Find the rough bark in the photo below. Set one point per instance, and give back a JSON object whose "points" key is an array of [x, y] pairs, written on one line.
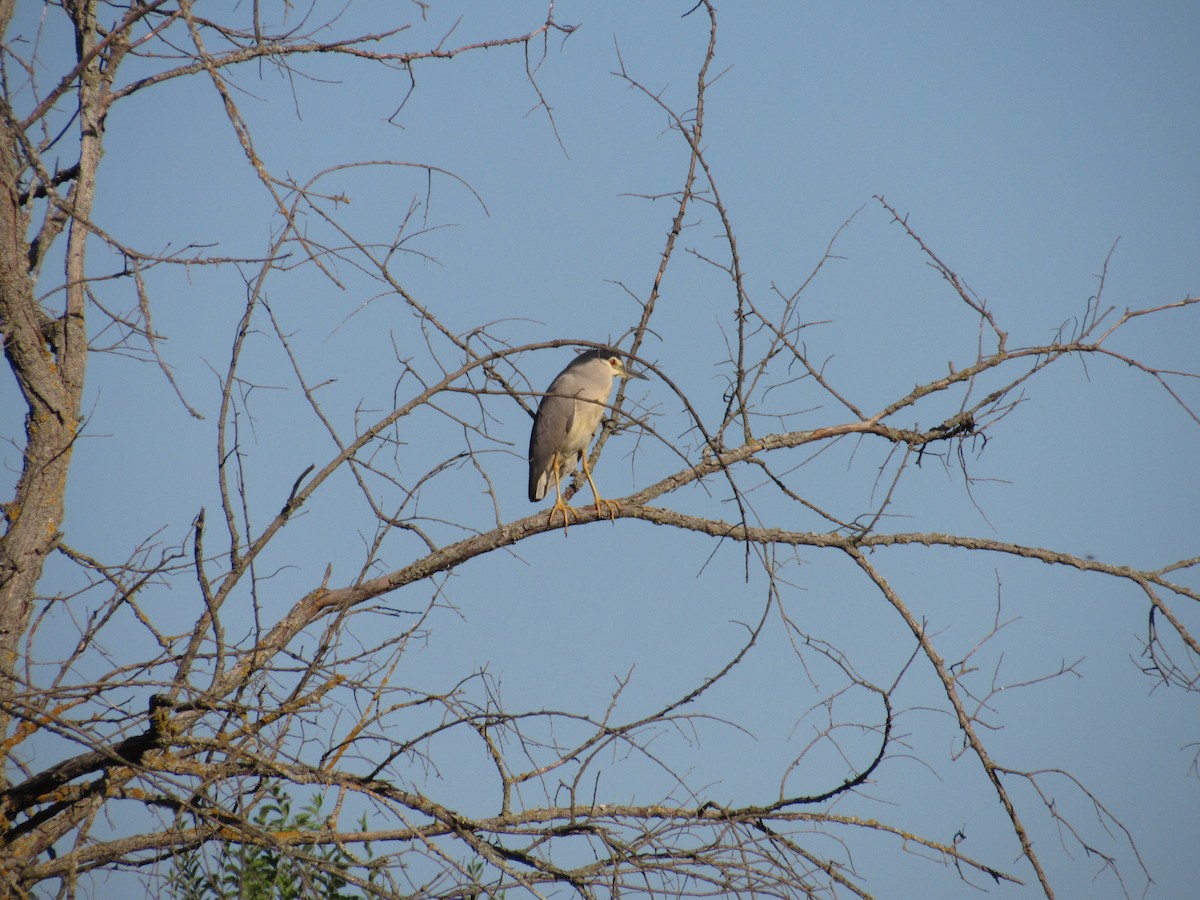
{"points": [[48, 356]]}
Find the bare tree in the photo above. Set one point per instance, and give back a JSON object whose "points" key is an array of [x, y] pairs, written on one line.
{"points": [[211, 665]]}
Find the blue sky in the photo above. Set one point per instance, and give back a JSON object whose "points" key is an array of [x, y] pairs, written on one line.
{"points": [[1024, 141]]}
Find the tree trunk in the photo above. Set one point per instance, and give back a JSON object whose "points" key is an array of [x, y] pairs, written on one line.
{"points": [[48, 355]]}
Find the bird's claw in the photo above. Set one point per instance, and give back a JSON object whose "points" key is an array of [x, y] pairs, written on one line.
{"points": [[567, 512], [607, 509]]}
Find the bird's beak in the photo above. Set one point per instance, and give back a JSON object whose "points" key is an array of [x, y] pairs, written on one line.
{"points": [[632, 374]]}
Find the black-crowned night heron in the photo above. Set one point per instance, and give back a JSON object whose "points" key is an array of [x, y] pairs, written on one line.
{"points": [[566, 421]]}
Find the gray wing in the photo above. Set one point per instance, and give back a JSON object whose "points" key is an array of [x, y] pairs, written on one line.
{"points": [[555, 416]]}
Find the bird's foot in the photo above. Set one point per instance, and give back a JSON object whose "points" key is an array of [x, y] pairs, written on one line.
{"points": [[566, 511], [607, 509]]}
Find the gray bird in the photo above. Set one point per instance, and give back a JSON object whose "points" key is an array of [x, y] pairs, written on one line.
{"points": [[566, 421]]}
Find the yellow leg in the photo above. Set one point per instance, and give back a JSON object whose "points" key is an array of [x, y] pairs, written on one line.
{"points": [[567, 512], [603, 507]]}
